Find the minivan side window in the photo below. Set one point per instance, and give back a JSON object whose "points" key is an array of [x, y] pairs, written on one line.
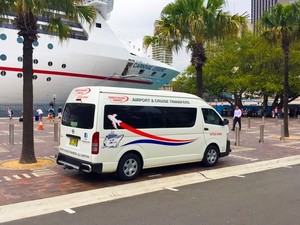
{"points": [[78, 115], [150, 116], [211, 117]]}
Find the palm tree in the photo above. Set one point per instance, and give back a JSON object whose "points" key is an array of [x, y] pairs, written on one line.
{"points": [[26, 12], [193, 23], [282, 24]]}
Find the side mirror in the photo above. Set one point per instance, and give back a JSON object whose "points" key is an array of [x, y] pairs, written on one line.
{"points": [[225, 122]]}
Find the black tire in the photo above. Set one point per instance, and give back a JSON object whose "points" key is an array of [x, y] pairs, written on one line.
{"points": [[129, 167], [211, 156]]}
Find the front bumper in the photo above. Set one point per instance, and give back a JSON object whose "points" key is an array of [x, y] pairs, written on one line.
{"points": [[228, 150]]}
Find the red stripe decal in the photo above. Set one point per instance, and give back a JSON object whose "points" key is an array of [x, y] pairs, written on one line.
{"points": [[78, 75], [139, 132]]}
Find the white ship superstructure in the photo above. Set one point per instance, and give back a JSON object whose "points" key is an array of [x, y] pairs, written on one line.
{"points": [[93, 55]]}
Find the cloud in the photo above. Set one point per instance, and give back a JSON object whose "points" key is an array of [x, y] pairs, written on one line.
{"points": [[134, 19]]}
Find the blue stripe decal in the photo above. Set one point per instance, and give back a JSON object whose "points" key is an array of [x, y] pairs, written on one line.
{"points": [[155, 142]]}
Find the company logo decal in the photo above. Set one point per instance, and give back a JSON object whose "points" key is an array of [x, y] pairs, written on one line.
{"points": [[82, 91], [118, 99], [151, 139], [112, 140]]}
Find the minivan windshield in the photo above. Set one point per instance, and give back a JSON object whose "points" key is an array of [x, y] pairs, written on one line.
{"points": [[78, 115]]}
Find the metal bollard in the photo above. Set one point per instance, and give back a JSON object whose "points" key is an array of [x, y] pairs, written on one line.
{"points": [[282, 132], [237, 137], [249, 123], [55, 131], [11, 134], [261, 133]]}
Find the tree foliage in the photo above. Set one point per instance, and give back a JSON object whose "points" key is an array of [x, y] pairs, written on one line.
{"points": [[27, 11], [194, 23], [244, 67], [282, 24]]}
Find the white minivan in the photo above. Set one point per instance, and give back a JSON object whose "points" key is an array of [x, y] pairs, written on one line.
{"points": [[123, 130]]}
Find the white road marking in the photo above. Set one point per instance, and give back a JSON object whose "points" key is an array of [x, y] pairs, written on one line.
{"points": [[35, 174], [6, 178], [17, 177], [70, 211], [242, 157], [172, 189], [49, 205], [26, 175]]}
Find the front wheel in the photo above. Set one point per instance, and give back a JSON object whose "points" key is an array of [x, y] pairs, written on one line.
{"points": [[129, 167], [211, 156]]}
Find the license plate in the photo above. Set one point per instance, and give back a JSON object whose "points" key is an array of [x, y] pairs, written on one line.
{"points": [[73, 142]]}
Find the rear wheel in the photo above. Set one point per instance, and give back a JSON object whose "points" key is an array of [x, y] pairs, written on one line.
{"points": [[211, 156], [129, 167]]}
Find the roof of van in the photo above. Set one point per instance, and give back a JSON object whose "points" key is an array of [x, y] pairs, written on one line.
{"points": [[136, 91]]}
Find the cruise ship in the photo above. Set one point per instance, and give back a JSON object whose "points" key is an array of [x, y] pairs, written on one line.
{"points": [[93, 55]]}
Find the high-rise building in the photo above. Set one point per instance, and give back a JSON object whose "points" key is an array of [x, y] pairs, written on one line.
{"points": [[162, 54], [258, 7]]}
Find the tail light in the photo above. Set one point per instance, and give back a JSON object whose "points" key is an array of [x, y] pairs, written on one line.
{"points": [[95, 143]]}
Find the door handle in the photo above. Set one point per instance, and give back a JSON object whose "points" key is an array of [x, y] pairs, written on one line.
{"points": [[206, 128]]}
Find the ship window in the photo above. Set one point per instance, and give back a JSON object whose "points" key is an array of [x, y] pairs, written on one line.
{"points": [[3, 37], [48, 79], [50, 63], [141, 71], [35, 61], [34, 77], [3, 57], [50, 46], [63, 66], [153, 74], [20, 40], [20, 58], [3, 73], [35, 43], [19, 75], [163, 75], [98, 25]]}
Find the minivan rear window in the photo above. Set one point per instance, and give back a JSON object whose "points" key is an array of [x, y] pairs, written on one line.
{"points": [[79, 115]]}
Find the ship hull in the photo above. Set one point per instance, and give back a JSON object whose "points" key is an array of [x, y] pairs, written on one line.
{"points": [[59, 67]]}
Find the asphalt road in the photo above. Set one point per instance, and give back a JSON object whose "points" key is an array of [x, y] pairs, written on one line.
{"points": [[269, 197]]}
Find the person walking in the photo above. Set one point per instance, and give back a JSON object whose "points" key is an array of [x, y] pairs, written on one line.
{"points": [[10, 114], [40, 114], [237, 117], [59, 112]]}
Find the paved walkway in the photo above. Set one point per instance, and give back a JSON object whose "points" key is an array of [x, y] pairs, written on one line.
{"points": [[30, 184]]}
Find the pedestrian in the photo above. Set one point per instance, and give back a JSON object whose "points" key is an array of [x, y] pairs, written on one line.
{"points": [[40, 114], [51, 114], [59, 112], [237, 118], [10, 113], [276, 112]]}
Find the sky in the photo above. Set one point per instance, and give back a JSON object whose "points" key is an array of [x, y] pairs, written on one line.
{"points": [[134, 19]]}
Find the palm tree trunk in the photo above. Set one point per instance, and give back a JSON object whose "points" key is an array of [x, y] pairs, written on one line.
{"points": [[285, 47], [27, 154], [199, 80]]}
